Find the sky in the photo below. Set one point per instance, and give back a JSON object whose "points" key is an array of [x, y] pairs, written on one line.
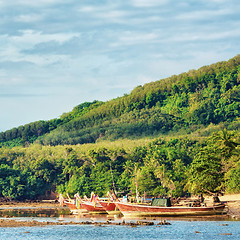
{"points": [[56, 54]]}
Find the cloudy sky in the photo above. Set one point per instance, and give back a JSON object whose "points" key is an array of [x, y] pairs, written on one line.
{"points": [[56, 54]]}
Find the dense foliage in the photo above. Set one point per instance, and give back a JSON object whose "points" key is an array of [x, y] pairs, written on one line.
{"points": [[188, 126], [159, 167]]}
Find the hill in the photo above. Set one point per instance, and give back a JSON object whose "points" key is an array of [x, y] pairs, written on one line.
{"points": [[175, 136], [179, 104]]}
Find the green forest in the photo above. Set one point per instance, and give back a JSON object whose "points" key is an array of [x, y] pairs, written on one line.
{"points": [[175, 136]]}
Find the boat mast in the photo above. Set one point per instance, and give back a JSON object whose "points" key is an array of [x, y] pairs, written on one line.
{"points": [[136, 183], [114, 189]]}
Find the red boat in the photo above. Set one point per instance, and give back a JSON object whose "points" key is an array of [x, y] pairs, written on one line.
{"points": [[138, 210], [85, 206], [70, 205], [92, 207], [108, 206], [73, 208]]}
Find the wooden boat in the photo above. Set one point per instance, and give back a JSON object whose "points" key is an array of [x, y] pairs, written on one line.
{"points": [[85, 207], [70, 205], [138, 210], [73, 208], [108, 206], [108, 203], [93, 207]]}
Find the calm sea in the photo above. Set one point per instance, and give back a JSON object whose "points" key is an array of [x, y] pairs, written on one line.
{"points": [[179, 229]]}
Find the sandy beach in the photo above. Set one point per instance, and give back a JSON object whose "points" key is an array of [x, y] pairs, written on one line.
{"points": [[232, 204]]}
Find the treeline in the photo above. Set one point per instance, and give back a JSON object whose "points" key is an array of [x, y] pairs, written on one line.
{"points": [[142, 123], [185, 103], [30, 132], [178, 166]]}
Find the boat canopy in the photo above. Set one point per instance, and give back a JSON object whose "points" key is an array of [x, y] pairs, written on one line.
{"points": [[161, 202]]}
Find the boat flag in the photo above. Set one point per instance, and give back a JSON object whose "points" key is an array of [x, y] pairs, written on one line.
{"points": [[92, 196], [61, 200], [95, 200], [109, 196], [114, 197], [78, 201]]}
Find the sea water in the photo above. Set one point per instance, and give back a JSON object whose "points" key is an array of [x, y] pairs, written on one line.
{"points": [[177, 230]]}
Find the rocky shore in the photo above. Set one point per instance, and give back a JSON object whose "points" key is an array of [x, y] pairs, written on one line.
{"points": [[29, 204], [15, 223]]}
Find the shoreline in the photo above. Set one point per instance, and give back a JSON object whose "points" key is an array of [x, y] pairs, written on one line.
{"points": [[232, 202]]}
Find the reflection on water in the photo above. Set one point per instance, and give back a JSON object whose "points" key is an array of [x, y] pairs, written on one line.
{"points": [[64, 213], [33, 212]]}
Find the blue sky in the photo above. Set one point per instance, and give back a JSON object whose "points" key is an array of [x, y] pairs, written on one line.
{"points": [[56, 54]]}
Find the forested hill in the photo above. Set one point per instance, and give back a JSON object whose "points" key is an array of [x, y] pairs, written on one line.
{"points": [[179, 104]]}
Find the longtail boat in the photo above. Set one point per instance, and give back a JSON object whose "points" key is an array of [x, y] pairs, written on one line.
{"points": [[109, 203], [73, 208], [139, 210], [108, 206], [92, 207], [70, 205], [85, 207]]}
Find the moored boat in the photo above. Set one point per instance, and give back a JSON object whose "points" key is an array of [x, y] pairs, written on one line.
{"points": [[85, 207], [108, 206], [73, 208], [109, 203], [138, 210], [78, 205], [70, 205], [93, 207]]}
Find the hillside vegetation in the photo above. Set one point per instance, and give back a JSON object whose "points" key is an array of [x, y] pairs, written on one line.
{"points": [[183, 103], [176, 136]]}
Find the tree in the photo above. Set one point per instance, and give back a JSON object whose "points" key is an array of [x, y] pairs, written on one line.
{"points": [[233, 179], [206, 172], [71, 164], [78, 184], [146, 181]]}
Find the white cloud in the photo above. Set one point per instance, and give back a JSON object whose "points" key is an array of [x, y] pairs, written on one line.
{"points": [[148, 3], [87, 9], [29, 3], [204, 14], [15, 47], [133, 38], [217, 1], [204, 36], [111, 15], [110, 12], [13, 54], [29, 18], [31, 37]]}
